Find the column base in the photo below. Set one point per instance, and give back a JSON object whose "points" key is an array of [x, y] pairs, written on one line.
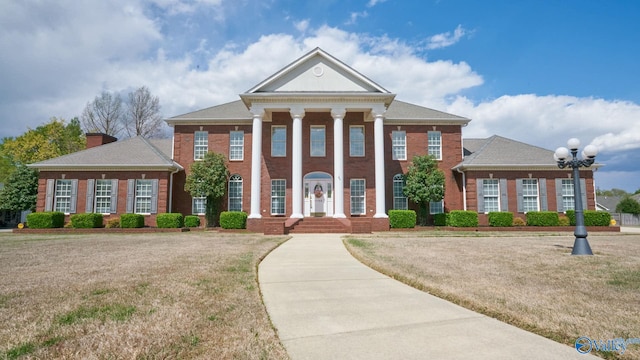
{"points": [[254, 216], [339, 216], [381, 216], [297, 216]]}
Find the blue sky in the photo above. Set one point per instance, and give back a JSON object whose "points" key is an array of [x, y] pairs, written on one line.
{"points": [[535, 71]]}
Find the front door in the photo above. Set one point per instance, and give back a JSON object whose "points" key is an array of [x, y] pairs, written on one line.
{"points": [[318, 194]]}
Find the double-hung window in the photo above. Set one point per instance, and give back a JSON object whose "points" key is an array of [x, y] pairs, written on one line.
{"points": [[356, 141], [235, 193], [103, 196], [143, 196], [199, 205], [530, 195], [491, 193], [399, 199], [399, 145], [236, 145], [62, 201], [357, 187], [278, 193], [278, 141], [318, 140], [436, 207], [435, 144], [568, 195], [200, 144]]}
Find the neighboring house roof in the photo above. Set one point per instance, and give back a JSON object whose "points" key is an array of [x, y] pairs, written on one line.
{"points": [[497, 152], [131, 154], [608, 203]]}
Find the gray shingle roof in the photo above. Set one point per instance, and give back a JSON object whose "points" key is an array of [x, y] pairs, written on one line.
{"points": [[235, 110], [400, 110], [138, 153], [497, 151]]}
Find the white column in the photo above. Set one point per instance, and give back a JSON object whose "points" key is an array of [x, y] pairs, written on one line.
{"points": [[378, 137], [256, 162], [338, 163], [296, 163]]}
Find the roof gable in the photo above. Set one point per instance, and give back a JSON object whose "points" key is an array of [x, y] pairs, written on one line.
{"points": [[135, 152], [317, 72]]}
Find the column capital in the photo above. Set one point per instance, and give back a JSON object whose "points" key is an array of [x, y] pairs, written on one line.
{"points": [[338, 112], [378, 111], [297, 112], [257, 111]]}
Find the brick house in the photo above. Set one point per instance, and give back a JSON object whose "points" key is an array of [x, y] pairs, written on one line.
{"points": [[330, 144]]}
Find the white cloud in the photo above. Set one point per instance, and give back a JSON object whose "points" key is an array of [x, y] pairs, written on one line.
{"points": [[353, 17], [446, 39], [57, 57], [302, 25], [373, 3]]}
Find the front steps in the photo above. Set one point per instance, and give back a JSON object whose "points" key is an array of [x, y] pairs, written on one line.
{"points": [[311, 225]]}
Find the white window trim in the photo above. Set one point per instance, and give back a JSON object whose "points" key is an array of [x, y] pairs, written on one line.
{"points": [[136, 196], [273, 128], [439, 156], [96, 196], [364, 196], [231, 146], [484, 196], [525, 196], [193, 200], [196, 145], [56, 196], [363, 141], [393, 146], [399, 179], [324, 140], [284, 198], [234, 179]]}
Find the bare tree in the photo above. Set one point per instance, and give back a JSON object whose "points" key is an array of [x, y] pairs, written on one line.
{"points": [[103, 114], [142, 117]]}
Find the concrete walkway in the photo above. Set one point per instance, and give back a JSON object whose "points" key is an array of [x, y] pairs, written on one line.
{"points": [[327, 305]]}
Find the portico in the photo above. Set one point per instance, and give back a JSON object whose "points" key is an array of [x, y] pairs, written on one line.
{"points": [[317, 83]]}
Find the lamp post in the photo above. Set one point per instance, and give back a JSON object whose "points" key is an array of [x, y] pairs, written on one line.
{"points": [[581, 245]]}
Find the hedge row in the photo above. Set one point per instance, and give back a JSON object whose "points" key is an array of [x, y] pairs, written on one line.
{"points": [[45, 220], [591, 218]]}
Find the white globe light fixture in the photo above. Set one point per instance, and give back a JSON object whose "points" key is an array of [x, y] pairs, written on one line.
{"points": [[561, 156]]}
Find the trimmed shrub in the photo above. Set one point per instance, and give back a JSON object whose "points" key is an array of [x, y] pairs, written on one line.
{"points": [[518, 222], [170, 220], [461, 218], [591, 218], [402, 219], [542, 218], [563, 221], [501, 219], [130, 221], [191, 221], [233, 220], [440, 219], [597, 218], [113, 223], [45, 220], [86, 221]]}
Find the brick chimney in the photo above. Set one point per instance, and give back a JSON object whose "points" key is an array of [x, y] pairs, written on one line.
{"points": [[97, 139]]}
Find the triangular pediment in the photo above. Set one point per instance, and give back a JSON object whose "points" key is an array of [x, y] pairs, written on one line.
{"points": [[317, 72]]}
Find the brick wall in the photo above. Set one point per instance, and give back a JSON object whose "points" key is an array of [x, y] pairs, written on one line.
{"points": [[511, 176], [122, 176], [354, 167]]}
